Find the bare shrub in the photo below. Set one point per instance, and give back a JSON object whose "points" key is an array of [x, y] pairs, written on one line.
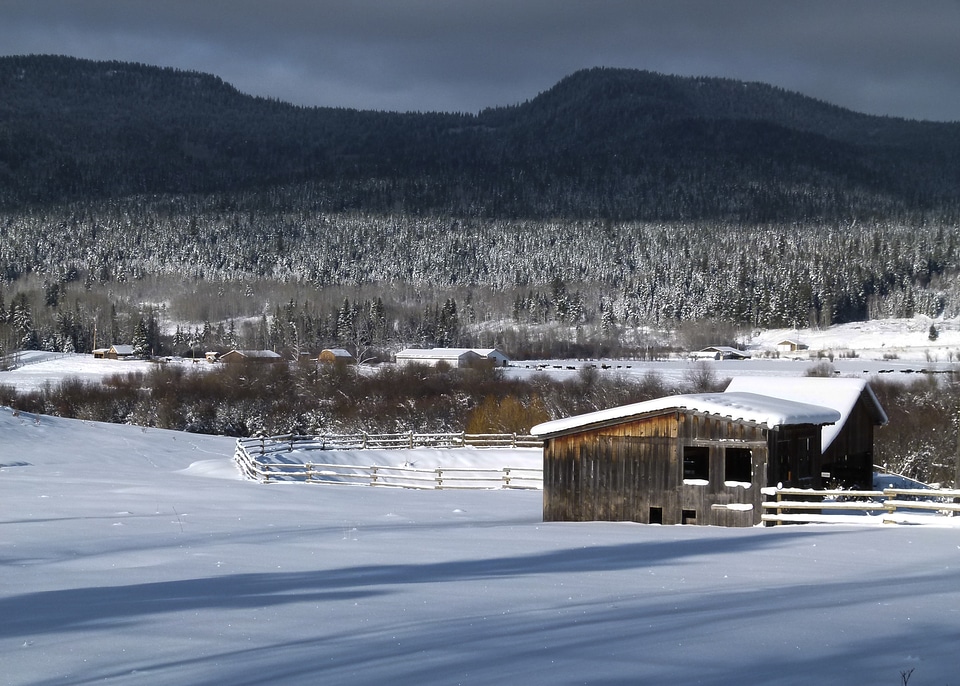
{"points": [[821, 369], [701, 377]]}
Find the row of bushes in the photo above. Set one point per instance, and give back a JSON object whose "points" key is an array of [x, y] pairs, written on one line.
{"points": [[251, 399], [920, 440]]}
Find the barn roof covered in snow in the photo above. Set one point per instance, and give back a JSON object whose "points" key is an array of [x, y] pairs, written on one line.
{"points": [[446, 353], [750, 407], [838, 394]]}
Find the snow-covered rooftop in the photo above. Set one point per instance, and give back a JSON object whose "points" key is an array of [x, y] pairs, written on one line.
{"points": [[726, 350], [437, 353], [751, 407], [838, 394], [257, 353]]}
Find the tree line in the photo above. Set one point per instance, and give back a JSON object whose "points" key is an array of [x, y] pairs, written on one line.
{"points": [[390, 281], [309, 398]]}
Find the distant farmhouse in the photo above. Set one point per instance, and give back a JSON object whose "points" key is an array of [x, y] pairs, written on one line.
{"points": [[720, 352], [704, 458], [336, 355], [114, 352], [790, 345], [250, 356], [454, 357]]}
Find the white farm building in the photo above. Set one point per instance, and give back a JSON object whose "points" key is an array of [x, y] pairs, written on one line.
{"points": [[454, 357]]}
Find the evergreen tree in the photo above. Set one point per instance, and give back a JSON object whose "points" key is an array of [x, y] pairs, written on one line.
{"points": [[21, 316], [141, 341]]}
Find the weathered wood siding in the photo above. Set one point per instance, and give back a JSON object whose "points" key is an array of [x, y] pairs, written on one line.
{"points": [[634, 471], [849, 459], [795, 457]]}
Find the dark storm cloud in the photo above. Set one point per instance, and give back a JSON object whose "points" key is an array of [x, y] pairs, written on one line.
{"points": [[877, 56]]}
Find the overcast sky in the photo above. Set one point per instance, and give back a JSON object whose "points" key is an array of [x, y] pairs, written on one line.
{"points": [[891, 57]]}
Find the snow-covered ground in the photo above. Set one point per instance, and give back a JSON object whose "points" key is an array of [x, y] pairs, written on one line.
{"points": [[36, 368], [907, 340], [889, 348], [140, 556]]}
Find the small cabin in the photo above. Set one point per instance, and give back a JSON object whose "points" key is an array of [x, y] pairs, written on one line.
{"points": [[336, 356], [791, 345], [119, 352], [100, 353], [258, 356], [720, 352]]}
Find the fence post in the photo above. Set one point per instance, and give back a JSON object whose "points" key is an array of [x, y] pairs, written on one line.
{"points": [[309, 472], [439, 478], [411, 439], [373, 475], [506, 476], [514, 445], [363, 444], [888, 503], [263, 445]]}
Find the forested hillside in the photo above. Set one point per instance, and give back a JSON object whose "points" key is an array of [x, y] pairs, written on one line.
{"points": [[603, 143], [132, 194]]}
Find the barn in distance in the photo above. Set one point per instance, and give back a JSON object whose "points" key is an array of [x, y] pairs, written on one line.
{"points": [[705, 458]]}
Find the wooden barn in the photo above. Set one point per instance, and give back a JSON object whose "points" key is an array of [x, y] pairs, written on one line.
{"points": [[704, 458], [847, 446], [685, 459], [119, 352]]}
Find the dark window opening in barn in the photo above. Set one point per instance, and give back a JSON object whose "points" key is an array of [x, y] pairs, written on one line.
{"points": [[737, 465], [688, 517], [696, 463], [656, 515]]}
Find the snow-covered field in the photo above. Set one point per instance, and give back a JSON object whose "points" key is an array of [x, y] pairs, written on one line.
{"points": [[37, 368], [140, 556], [890, 348]]}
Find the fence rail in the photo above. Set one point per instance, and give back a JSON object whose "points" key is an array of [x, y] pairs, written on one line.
{"points": [[363, 441], [258, 459], [798, 505]]}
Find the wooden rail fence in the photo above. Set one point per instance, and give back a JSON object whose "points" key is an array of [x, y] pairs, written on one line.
{"points": [[262, 459], [798, 505]]}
